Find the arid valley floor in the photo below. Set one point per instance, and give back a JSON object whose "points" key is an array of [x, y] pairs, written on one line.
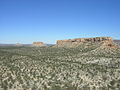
{"points": [[89, 66]]}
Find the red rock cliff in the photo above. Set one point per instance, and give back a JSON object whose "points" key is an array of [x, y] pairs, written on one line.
{"points": [[75, 42], [38, 44]]}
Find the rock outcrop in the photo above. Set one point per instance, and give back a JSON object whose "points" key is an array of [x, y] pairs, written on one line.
{"points": [[76, 42], [38, 44], [18, 44]]}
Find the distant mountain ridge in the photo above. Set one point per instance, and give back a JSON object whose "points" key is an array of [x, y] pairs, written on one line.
{"points": [[15, 45], [117, 41], [68, 42]]}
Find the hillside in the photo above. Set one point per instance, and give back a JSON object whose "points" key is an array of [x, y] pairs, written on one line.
{"points": [[88, 66]]}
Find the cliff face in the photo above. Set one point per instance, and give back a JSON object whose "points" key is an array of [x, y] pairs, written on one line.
{"points": [[38, 44], [78, 41]]}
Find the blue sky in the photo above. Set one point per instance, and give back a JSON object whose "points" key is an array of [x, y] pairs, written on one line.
{"points": [[25, 21]]}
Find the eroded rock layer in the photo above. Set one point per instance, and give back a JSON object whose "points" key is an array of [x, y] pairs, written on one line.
{"points": [[38, 44], [78, 41]]}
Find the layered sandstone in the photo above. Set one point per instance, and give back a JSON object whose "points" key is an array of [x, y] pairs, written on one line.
{"points": [[38, 44], [78, 41]]}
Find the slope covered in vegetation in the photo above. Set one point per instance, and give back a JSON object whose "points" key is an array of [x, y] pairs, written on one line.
{"points": [[86, 67]]}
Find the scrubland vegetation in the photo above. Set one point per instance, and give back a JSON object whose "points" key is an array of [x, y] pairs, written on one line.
{"points": [[87, 67]]}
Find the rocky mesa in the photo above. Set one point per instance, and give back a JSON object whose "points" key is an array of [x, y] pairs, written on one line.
{"points": [[107, 41], [38, 44]]}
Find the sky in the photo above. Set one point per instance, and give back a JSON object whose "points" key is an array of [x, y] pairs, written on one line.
{"points": [[26, 21]]}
